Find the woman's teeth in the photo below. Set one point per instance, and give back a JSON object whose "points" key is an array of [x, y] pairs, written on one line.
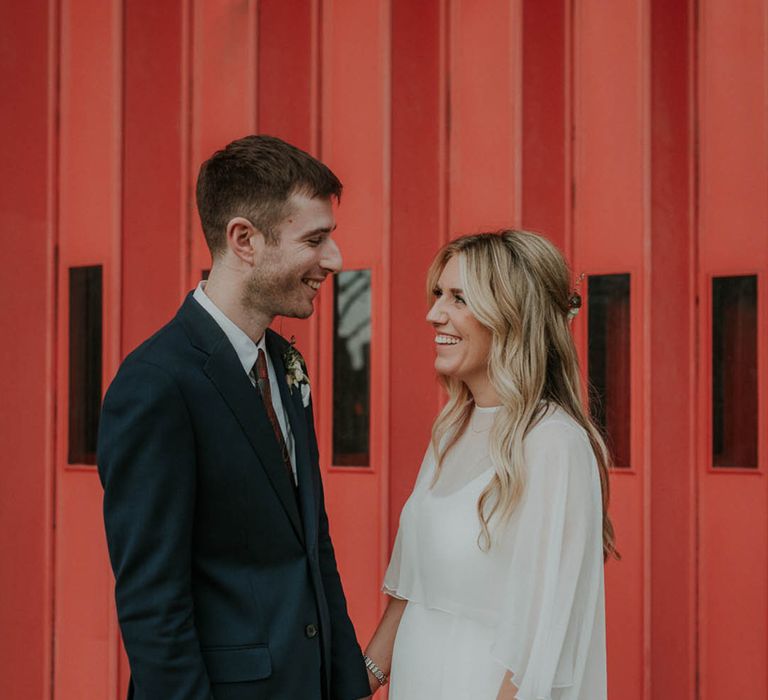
{"points": [[447, 340]]}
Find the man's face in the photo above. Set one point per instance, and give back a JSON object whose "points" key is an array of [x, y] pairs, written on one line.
{"points": [[288, 274]]}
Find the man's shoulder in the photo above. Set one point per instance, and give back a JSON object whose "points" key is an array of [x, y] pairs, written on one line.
{"points": [[164, 347], [159, 370], [166, 353]]}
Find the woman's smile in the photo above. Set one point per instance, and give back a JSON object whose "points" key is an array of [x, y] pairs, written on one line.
{"points": [[445, 339]]}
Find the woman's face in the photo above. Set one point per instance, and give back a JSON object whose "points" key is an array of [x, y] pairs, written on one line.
{"points": [[462, 343]]}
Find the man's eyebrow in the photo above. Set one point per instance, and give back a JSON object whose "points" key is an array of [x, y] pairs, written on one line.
{"points": [[316, 231]]}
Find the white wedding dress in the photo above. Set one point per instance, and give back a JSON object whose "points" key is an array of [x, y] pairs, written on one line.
{"points": [[533, 604]]}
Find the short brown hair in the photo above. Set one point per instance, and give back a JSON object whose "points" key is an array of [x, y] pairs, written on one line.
{"points": [[254, 177]]}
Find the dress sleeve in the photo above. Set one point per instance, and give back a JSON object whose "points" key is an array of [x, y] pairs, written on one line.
{"points": [[395, 578], [392, 575], [555, 576]]}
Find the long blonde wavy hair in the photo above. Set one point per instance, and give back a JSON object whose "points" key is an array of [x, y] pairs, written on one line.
{"points": [[518, 285]]}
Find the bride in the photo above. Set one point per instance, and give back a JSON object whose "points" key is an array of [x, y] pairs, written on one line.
{"points": [[496, 578]]}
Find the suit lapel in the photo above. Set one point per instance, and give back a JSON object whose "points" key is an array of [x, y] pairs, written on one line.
{"points": [[223, 368], [297, 417]]}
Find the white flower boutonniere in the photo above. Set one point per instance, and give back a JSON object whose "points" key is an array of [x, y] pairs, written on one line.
{"points": [[296, 372]]}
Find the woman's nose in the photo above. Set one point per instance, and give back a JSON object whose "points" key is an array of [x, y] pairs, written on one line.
{"points": [[436, 315]]}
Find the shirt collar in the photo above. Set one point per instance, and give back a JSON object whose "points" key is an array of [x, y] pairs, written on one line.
{"points": [[247, 351]]}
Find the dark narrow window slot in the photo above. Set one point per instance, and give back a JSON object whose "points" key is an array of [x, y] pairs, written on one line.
{"points": [[85, 352], [352, 368], [734, 371], [609, 364]]}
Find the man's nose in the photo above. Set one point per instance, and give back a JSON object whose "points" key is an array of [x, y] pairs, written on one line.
{"points": [[331, 259]]}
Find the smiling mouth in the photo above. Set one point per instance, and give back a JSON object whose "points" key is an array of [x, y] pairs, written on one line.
{"points": [[447, 340], [312, 284]]}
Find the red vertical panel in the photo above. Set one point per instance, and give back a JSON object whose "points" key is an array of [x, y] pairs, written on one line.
{"points": [[733, 215], [287, 94], [286, 70], [672, 358], [485, 115], [546, 151], [224, 90], [27, 222], [610, 220], [418, 125], [355, 144], [156, 194], [672, 354], [673, 345], [85, 660]]}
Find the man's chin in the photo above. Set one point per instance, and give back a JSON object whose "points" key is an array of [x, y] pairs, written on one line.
{"points": [[298, 312]]}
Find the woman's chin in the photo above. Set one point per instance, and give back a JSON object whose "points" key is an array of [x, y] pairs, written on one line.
{"points": [[445, 368]]}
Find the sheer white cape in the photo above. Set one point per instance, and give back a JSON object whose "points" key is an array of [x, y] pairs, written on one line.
{"points": [[541, 584]]}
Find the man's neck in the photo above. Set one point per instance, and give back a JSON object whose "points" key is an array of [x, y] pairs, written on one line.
{"points": [[228, 298]]}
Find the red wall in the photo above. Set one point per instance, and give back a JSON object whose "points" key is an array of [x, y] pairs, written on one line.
{"points": [[632, 134], [28, 73], [732, 193], [672, 299]]}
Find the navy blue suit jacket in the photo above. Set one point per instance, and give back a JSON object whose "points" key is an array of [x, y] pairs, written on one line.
{"points": [[226, 582]]}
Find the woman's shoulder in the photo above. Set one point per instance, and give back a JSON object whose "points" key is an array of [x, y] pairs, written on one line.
{"points": [[557, 430], [558, 451]]}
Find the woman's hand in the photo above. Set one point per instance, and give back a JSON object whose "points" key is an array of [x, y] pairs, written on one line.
{"points": [[373, 683], [383, 641], [508, 691]]}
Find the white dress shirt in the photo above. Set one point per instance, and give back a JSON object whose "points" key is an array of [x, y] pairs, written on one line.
{"points": [[247, 352]]}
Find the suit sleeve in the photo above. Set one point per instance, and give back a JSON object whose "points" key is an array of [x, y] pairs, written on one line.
{"points": [[348, 676], [146, 461]]}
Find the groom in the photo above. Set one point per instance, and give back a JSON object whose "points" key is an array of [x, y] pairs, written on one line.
{"points": [[226, 581]]}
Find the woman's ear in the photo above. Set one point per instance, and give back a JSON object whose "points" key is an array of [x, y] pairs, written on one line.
{"points": [[244, 240]]}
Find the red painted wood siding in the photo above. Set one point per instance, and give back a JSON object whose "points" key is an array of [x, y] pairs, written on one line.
{"points": [[672, 361], [28, 231], [732, 240], [632, 134], [610, 226]]}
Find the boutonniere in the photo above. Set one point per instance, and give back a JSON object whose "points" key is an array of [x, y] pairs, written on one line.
{"points": [[296, 371]]}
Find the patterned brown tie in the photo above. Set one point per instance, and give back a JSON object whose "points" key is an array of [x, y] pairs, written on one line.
{"points": [[262, 377]]}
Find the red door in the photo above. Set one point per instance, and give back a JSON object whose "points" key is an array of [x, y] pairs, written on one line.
{"points": [[610, 229], [442, 118], [88, 340], [733, 352], [353, 412]]}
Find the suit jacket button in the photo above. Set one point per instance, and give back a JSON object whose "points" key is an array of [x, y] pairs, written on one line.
{"points": [[311, 631]]}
